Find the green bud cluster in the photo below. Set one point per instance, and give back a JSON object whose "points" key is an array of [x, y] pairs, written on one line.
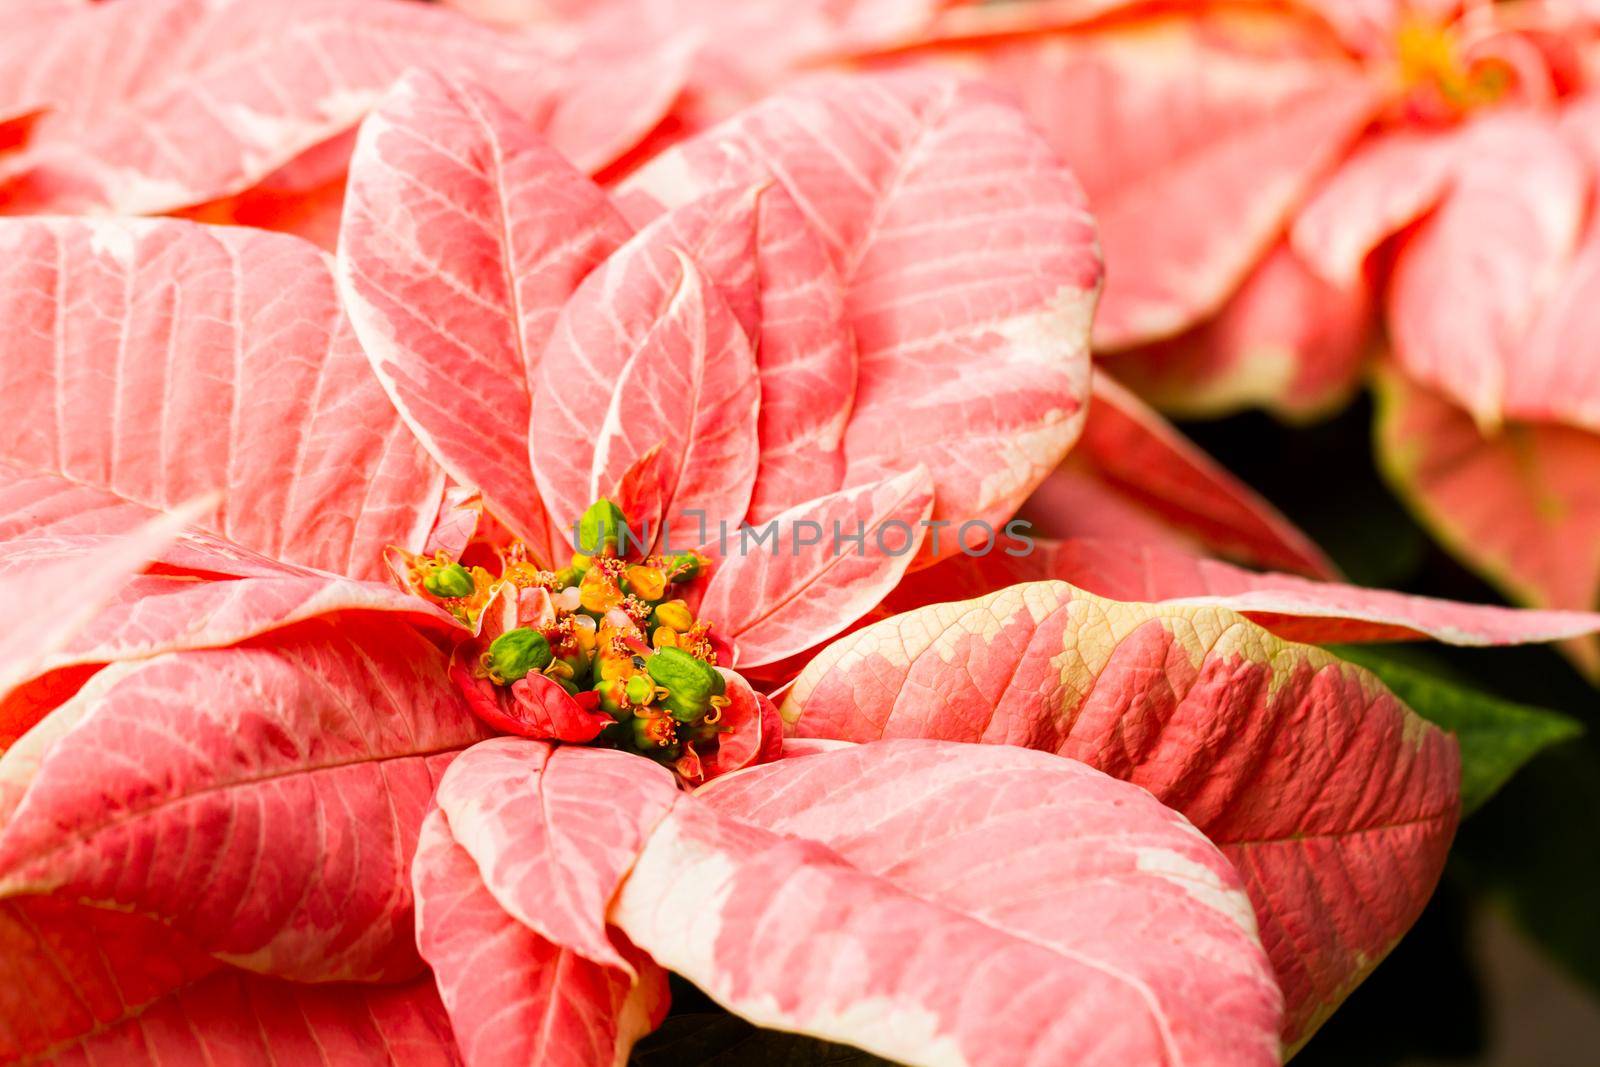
{"points": [[622, 639], [451, 580]]}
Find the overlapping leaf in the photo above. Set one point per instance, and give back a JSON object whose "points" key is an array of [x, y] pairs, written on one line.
{"points": [[778, 280], [76, 577], [922, 862], [1522, 506], [464, 235], [1475, 275], [649, 362], [195, 100], [739, 51], [85, 986], [263, 799], [1386, 183], [805, 585], [1292, 607], [926, 863], [160, 361], [1334, 802], [1238, 112], [514, 997], [961, 243], [1135, 478], [1287, 341], [158, 613]]}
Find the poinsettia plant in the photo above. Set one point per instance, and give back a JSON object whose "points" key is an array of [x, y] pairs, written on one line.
{"points": [[254, 692], [446, 729]]}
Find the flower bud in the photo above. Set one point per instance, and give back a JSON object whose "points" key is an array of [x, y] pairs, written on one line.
{"points": [[599, 592], [646, 583], [600, 528], [685, 567], [613, 697], [610, 661], [517, 653], [578, 661], [640, 689], [655, 734], [451, 580], [674, 614], [690, 683]]}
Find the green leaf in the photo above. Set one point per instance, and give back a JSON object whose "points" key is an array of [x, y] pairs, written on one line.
{"points": [[1497, 737], [720, 1040]]}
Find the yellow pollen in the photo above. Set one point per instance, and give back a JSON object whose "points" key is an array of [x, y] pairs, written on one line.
{"points": [[1433, 70]]}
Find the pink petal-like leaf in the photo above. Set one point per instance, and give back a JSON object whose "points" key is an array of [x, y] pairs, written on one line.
{"points": [[514, 997], [1548, 381], [155, 613], [995, 906], [971, 328], [1287, 341], [1387, 183], [1294, 608], [549, 849], [1521, 507], [1238, 112], [85, 986], [648, 355], [754, 731], [264, 800], [1135, 477], [40, 507], [52, 588], [806, 584], [1336, 804], [159, 361], [1469, 282], [464, 235], [170, 613], [193, 101], [777, 277]]}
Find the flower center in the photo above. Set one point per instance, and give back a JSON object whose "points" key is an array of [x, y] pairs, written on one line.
{"points": [[612, 630], [1437, 79]]}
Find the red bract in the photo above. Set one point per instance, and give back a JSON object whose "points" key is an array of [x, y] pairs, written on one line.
{"points": [[1134, 478], [85, 985]]}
